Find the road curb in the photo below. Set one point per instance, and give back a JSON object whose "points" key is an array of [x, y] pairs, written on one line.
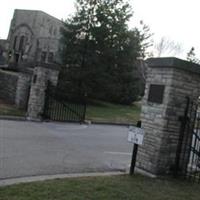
{"points": [[14, 181], [87, 122], [12, 118], [112, 124]]}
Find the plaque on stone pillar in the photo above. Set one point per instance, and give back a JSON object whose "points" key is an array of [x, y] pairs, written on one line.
{"points": [[156, 93]]}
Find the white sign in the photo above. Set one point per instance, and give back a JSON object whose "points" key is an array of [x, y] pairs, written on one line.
{"points": [[135, 135]]}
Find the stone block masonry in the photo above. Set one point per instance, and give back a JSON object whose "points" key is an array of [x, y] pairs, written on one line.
{"points": [[180, 79], [14, 88], [23, 91], [34, 36], [39, 83], [8, 86]]}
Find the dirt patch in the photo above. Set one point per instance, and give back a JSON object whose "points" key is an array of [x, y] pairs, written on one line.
{"points": [[10, 109]]}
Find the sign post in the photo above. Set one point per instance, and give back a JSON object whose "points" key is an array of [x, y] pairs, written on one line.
{"points": [[135, 136]]}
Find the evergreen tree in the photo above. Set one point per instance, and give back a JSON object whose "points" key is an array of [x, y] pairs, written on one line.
{"points": [[99, 51]]}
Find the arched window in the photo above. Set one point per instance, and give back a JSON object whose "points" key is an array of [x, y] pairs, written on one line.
{"points": [[1, 51], [55, 32], [50, 57], [15, 43], [21, 43], [43, 56], [51, 30]]}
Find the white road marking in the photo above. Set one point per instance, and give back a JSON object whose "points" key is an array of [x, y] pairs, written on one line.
{"points": [[118, 153]]}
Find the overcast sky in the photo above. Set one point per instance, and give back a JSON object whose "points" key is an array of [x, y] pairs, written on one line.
{"points": [[175, 19]]}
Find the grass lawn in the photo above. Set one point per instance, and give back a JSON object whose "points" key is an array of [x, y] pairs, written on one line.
{"points": [[107, 112], [103, 188], [8, 109]]}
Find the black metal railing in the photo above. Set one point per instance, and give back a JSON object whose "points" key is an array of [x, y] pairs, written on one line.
{"points": [[63, 109], [187, 162]]}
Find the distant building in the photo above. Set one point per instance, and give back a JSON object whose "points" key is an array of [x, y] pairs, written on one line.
{"points": [[33, 37]]}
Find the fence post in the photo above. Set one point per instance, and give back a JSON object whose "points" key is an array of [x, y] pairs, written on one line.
{"points": [[85, 106], [134, 154], [46, 102]]}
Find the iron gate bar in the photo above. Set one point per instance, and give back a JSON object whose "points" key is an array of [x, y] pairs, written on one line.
{"points": [[188, 137], [190, 134], [196, 147], [72, 110], [188, 152], [58, 108], [62, 111]]}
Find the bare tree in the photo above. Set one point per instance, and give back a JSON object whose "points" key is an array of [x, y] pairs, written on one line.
{"points": [[146, 40], [167, 47], [146, 44], [191, 56], [142, 69]]}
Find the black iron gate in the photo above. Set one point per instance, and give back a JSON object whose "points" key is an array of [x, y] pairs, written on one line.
{"points": [[58, 109], [187, 162]]}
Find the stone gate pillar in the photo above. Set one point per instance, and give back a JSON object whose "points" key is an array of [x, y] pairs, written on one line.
{"points": [[169, 82], [41, 76]]}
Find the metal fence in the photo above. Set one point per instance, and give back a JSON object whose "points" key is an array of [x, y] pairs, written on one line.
{"points": [[187, 163], [64, 111], [59, 109]]}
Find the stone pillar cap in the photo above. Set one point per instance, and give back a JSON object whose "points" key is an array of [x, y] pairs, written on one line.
{"points": [[172, 62]]}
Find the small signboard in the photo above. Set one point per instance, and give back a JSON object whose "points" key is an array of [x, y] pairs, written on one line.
{"points": [[135, 135], [156, 93]]}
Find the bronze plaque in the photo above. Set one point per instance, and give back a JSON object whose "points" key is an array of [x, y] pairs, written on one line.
{"points": [[156, 93]]}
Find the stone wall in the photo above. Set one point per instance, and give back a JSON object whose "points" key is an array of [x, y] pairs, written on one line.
{"points": [[161, 120], [14, 88], [23, 91], [39, 83], [8, 85]]}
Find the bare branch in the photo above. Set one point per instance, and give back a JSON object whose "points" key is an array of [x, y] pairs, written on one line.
{"points": [[167, 47]]}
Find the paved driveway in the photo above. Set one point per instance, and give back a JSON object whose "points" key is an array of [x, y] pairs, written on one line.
{"points": [[28, 148]]}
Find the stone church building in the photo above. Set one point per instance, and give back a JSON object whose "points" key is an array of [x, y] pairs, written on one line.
{"points": [[33, 37]]}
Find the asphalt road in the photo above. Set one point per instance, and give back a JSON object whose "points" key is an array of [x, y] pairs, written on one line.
{"points": [[29, 148]]}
